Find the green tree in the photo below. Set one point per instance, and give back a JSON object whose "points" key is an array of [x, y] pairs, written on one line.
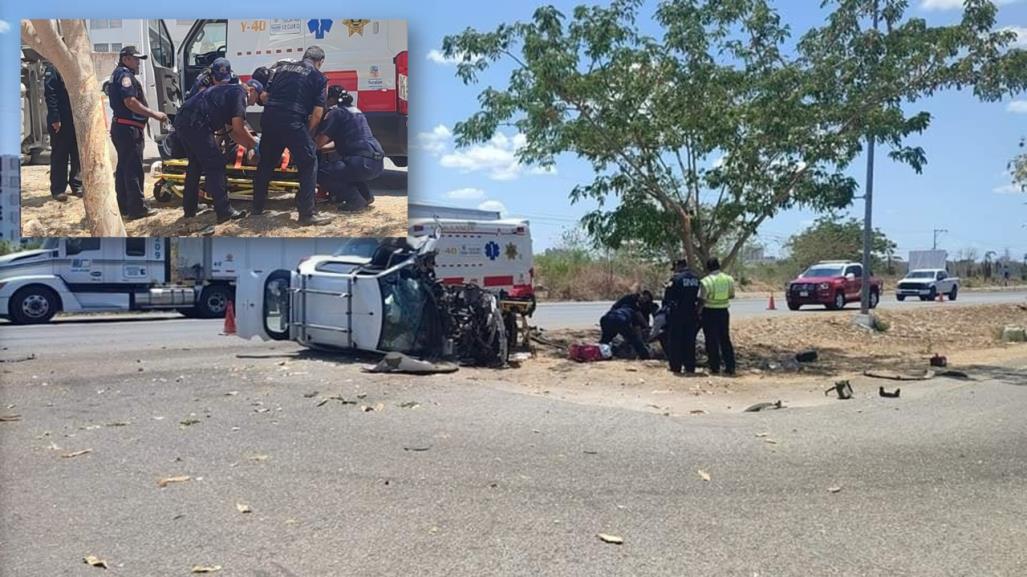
{"points": [[1018, 168], [702, 134], [829, 238]]}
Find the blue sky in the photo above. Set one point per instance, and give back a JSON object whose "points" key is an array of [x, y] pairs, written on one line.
{"points": [[963, 189]]}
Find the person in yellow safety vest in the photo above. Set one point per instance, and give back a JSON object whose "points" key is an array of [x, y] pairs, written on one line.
{"points": [[715, 292]]}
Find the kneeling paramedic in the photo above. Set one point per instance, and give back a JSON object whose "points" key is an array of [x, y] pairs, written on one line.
{"points": [[358, 155], [294, 108], [628, 323], [196, 124]]}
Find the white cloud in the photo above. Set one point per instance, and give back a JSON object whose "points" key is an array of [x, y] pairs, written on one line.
{"points": [[435, 141], [493, 205], [497, 157], [1007, 189], [5, 27], [438, 57], [1017, 106], [1021, 36], [466, 194]]}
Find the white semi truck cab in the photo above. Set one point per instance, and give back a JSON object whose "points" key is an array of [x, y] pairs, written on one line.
{"points": [[195, 276]]}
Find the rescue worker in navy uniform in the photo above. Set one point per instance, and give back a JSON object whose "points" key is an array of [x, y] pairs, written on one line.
{"points": [[628, 322], [358, 157], [220, 72], [197, 123], [294, 108], [130, 114], [63, 145], [263, 75], [682, 297]]}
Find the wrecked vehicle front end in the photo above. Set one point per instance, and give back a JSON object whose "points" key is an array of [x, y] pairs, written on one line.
{"points": [[391, 302]]}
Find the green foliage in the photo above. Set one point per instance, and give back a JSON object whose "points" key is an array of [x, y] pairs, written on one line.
{"points": [[1018, 168], [832, 239], [653, 115]]}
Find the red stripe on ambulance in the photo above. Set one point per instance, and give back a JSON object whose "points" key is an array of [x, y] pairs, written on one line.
{"points": [[498, 280]]}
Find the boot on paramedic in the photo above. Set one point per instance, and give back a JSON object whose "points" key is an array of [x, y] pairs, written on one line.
{"points": [[358, 156], [715, 293], [294, 107], [196, 124], [63, 145], [682, 298], [220, 72], [127, 132], [629, 324]]}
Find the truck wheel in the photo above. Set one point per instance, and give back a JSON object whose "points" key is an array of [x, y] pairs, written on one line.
{"points": [[838, 303], [900, 297], [214, 301], [953, 293], [934, 294], [510, 320], [34, 305], [874, 299]]}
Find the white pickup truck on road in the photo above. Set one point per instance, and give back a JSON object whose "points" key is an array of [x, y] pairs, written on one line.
{"points": [[927, 283]]}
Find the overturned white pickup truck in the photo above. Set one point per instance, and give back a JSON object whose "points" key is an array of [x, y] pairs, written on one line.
{"points": [[390, 302], [927, 284]]}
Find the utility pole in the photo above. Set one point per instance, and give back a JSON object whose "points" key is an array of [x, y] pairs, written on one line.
{"points": [[936, 231], [864, 298]]}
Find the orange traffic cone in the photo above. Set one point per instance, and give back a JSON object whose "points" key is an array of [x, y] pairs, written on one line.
{"points": [[229, 319], [770, 305]]}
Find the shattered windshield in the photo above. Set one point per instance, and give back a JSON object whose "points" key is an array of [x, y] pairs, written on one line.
{"points": [[360, 247], [818, 271], [404, 298]]}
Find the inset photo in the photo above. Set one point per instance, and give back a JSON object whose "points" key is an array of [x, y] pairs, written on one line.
{"points": [[168, 127]]}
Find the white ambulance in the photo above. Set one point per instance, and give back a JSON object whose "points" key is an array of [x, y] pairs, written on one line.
{"points": [[366, 57]]}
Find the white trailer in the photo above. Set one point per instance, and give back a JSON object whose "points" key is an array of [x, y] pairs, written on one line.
{"points": [[192, 275]]}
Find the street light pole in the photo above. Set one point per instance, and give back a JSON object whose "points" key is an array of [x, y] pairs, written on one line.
{"points": [[936, 231], [864, 298]]}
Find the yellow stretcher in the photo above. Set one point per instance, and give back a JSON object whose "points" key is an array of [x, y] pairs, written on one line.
{"points": [[170, 181]]}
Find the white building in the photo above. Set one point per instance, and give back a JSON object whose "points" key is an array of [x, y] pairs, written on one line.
{"points": [[10, 198]]}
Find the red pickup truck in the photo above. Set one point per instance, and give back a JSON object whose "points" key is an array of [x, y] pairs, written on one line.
{"points": [[832, 284]]}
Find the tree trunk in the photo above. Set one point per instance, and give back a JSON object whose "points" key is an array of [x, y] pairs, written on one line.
{"points": [[71, 57]]}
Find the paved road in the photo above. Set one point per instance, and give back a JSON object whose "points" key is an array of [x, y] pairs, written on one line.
{"points": [[477, 480], [585, 315]]}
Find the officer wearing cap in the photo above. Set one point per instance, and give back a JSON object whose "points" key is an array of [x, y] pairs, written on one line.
{"points": [[63, 145], [294, 108], [130, 114], [197, 122], [220, 72], [681, 295], [358, 156]]}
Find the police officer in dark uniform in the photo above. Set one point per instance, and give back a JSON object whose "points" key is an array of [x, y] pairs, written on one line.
{"points": [[357, 157], [682, 297], [294, 108], [219, 72], [130, 114], [63, 145], [197, 123], [629, 324]]}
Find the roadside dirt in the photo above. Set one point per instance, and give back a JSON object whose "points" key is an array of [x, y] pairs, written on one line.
{"points": [[43, 217], [968, 336]]}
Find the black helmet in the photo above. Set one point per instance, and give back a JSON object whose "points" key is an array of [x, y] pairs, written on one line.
{"points": [[335, 92], [262, 74]]}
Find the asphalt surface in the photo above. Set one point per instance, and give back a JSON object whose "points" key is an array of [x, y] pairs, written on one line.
{"points": [[586, 314], [476, 480]]}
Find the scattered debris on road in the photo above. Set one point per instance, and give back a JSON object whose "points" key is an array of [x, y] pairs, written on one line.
{"points": [[703, 475], [612, 539], [310, 395], [169, 480], [9, 418], [417, 449], [243, 508], [400, 363], [834, 489], [887, 394], [76, 454], [206, 568], [94, 561], [842, 388], [763, 407], [409, 405], [188, 422], [895, 376], [258, 458], [30, 357]]}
